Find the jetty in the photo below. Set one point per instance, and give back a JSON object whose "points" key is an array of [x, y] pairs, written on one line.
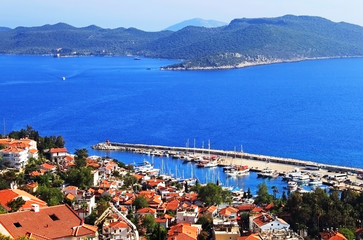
{"points": [[173, 150]]}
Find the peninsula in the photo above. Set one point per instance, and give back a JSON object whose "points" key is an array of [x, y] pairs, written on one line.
{"points": [[243, 42]]}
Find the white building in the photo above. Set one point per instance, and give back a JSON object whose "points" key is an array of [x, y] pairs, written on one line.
{"points": [[17, 157], [264, 222]]}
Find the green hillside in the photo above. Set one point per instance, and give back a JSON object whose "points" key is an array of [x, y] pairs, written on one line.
{"points": [[242, 42]]}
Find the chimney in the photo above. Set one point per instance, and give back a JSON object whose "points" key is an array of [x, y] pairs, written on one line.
{"points": [[35, 208]]}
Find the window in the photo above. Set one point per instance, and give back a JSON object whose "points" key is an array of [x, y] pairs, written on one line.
{"points": [[17, 224], [54, 217]]}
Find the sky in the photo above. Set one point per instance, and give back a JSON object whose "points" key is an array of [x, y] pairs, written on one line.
{"points": [[156, 15]]}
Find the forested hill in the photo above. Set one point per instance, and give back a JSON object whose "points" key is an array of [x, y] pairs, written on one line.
{"points": [[242, 42]]}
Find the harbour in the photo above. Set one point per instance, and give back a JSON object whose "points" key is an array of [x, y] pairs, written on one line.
{"points": [[268, 169]]}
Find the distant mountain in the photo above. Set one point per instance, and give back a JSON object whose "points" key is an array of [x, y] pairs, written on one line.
{"points": [[196, 22], [4, 29], [243, 42]]}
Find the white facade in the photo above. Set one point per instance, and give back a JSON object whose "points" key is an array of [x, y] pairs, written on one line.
{"points": [[186, 216], [17, 157]]}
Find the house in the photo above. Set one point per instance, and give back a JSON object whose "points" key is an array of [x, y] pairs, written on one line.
{"points": [[17, 157], [57, 154], [187, 214], [116, 229], [48, 167], [184, 231], [226, 233], [8, 195], [265, 222], [165, 220], [145, 211], [228, 214], [56, 222]]}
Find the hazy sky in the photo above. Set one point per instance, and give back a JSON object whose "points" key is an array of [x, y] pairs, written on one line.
{"points": [[155, 15]]}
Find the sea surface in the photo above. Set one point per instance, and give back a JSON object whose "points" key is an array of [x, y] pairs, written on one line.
{"points": [[310, 110]]}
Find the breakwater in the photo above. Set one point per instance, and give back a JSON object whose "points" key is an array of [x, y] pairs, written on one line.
{"points": [[173, 150]]}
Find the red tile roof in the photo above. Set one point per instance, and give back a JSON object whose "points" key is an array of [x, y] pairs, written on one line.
{"points": [[8, 195], [58, 150], [48, 166], [147, 210], [118, 224], [332, 236], [49, 223], [228, 211], [183, 231]]}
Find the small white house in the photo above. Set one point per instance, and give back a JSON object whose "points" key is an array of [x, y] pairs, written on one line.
{"points": [[265, 222]]}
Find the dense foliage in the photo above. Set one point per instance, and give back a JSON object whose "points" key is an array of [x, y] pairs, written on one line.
{"points": [[212, 194], [252, 40], [319, 210], [43, 143]]}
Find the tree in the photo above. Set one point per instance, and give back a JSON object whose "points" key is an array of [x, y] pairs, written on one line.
{"points": [[207, 222], [140, 202], [263, 197], [212, 194], [16, 204], [203, 235], [159, 233], [80, 177], [149, 223], [53, 196], [275, 191], [129, 180], [81, 156], [347, 233]]}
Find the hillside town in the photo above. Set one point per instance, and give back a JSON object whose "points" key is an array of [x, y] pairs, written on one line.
{"points": [[55, 194]]}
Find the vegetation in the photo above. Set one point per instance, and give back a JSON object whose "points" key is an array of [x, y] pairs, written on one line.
{"points": [[140, 202], [212, 194], [15, 204], [317, 210], [243, 40], [43, 143]]}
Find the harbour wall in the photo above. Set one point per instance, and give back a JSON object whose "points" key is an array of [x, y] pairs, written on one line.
{"points": [[223, 153]]}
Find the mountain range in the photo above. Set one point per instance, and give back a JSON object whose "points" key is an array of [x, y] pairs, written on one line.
{"points": [[196, 22], [242, 42]]}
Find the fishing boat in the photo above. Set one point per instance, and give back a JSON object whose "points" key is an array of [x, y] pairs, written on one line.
{"points": [[292, 186], [63, 78], [315, 181], [243, 171], [210, 164], [268, 173]]}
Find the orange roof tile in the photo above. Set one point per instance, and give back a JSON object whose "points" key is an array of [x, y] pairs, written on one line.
{"points": [[332, 236], [118, 224], [58, 150], [8, 195], [146, 210], [183, 231], [49, 223], [48, 166], [228, 211]]}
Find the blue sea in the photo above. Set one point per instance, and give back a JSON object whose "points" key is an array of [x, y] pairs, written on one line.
{"points": [[310, 110]]}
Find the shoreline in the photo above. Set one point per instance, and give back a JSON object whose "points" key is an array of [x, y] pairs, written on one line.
{"points": [[225, 154], [254, 162], [246, 64]]}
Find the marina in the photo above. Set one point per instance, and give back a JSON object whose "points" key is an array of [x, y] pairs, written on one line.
{"points": [[238, 170]]}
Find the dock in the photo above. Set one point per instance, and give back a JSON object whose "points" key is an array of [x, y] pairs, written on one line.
{"points": [[172, 150]]}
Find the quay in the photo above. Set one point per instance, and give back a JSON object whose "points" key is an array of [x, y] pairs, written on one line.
{"points": [[172, 150]]}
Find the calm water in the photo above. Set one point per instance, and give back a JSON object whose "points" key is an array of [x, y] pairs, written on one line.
{"points": [[309, 110]]}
